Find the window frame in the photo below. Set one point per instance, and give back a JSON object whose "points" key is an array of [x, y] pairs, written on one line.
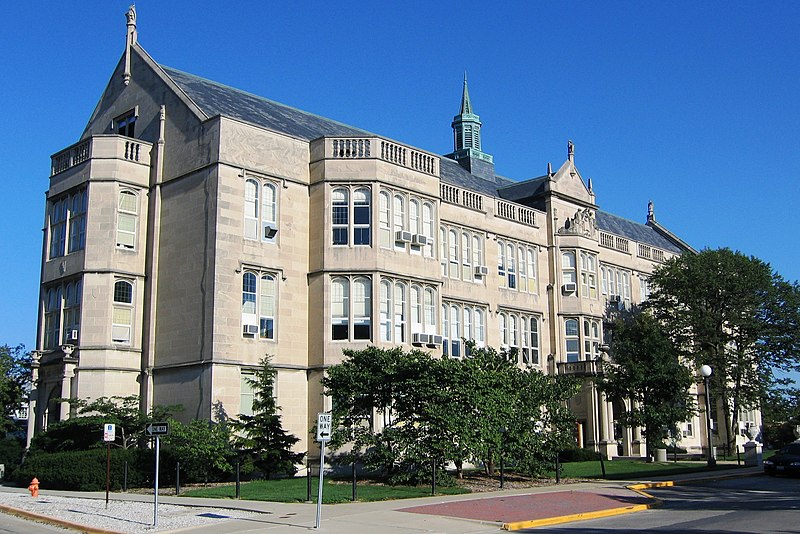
{"points": [[123, 304], [257, 302]]}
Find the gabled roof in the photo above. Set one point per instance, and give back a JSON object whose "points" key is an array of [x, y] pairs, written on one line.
{"points": [[217, 99], [214, 98], [635, 231]]}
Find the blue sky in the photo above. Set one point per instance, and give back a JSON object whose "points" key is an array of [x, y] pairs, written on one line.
{"points": [[693, 105]]}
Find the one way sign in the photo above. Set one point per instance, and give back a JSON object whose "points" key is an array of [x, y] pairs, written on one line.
{"points": [[157, 429], [324, 423]]}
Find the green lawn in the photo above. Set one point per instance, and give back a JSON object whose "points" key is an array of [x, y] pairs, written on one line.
{"points": [[634, 469], [296, 490]]}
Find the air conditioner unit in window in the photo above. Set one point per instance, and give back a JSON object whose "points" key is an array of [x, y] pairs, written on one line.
{"points": [[436, 340], [401, 236], [72, 336], [250, 329], [569, 287], [481, 270], [419, 240], [270, 231], [420, 339]]}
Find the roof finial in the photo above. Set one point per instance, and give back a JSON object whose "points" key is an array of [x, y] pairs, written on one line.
{"points": [[466, 105], [591, 189], [570, 150], [130, 39], [131, 17], [549, 169], [651, 213]]}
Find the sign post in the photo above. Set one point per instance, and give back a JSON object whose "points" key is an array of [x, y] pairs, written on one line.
{"points": [[324, 424], [156, 430], [109, 435]]}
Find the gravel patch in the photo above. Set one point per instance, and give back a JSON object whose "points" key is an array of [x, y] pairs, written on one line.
{"points": [[122, 516]]}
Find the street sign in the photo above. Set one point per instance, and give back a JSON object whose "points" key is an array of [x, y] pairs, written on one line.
{"points": [[324, 424], [109, 432], [157, 429]]}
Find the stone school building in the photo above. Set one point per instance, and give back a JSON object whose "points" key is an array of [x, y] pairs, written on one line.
{"points": [[194, 228]]}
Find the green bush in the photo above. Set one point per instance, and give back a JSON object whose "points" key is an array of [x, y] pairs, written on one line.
{"points": [[86, 470], [578, 455], [11, 450]]}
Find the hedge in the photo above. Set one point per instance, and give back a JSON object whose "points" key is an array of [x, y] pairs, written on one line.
{"points": [[86, 470]]}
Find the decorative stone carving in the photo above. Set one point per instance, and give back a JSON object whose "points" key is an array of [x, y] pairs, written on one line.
{"points": [[582, 223]]}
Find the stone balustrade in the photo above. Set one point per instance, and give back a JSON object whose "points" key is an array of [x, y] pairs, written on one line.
{"points": [[101, 146], [377, 148]]}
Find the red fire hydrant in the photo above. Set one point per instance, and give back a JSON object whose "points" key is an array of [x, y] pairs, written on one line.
{"points": [[34, 487]]}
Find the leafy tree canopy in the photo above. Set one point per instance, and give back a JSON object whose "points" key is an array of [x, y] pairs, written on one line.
{"points": [[15, 365], [646, 374], [437, 410], [732, 312]]}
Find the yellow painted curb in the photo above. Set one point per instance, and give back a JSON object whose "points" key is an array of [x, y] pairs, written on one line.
{"points": [[518, 525], [53, 521]]}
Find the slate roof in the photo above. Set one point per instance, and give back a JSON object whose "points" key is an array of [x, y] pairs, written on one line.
{"points": [[634, 231], [452, 173], [217, 99]]}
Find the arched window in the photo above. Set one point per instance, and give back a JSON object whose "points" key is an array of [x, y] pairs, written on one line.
{"points": [[362, 217], [413, 217], [340, 308], [77, 220], [72, 311], [571, 335], [443, 250], [385, 227], [340, 216], [466, 257], [568, 272], [127, 216], [453, 253], [362, 308], [399, 219], [400, 319], [480, 328], [52, 317], [266, 307], [122, 317], [269, 213], [251, 209], [386, 308], [427, 227], [455, 332], [532, 271]]}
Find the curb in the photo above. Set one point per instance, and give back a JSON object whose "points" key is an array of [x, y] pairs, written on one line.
{"points": [[610, 512], [53, 521], [638, 488]]}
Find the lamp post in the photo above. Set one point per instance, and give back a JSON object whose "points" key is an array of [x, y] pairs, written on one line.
{"points": [[706, 371]]}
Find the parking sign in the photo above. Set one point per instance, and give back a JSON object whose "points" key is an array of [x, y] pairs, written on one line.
{"points": [[109, 432]]}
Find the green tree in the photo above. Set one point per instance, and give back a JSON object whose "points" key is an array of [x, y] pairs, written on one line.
{"points": [[261, 435], [646, 374], [15, 365], [85, 429], [734, 313], [438, 410], [202, 447]]}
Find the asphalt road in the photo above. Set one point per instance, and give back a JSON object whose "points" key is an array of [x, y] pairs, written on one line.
{"points": [[10, 524], [758, 505]]}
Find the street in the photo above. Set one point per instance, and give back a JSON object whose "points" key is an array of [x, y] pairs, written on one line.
{"points": [[745, 505], [10, 524]]}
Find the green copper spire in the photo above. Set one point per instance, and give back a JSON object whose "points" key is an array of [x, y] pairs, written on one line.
{"points": [[467, 140], [466, 125], [466, 105]]}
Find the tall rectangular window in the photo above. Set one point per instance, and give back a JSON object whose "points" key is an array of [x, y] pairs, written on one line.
{"points": [[127, 216], [77, 220], [258, 305], [347, 311], [122, 316]]}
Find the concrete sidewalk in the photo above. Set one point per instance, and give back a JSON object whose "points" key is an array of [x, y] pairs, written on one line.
{"points": [[470, 513]]}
